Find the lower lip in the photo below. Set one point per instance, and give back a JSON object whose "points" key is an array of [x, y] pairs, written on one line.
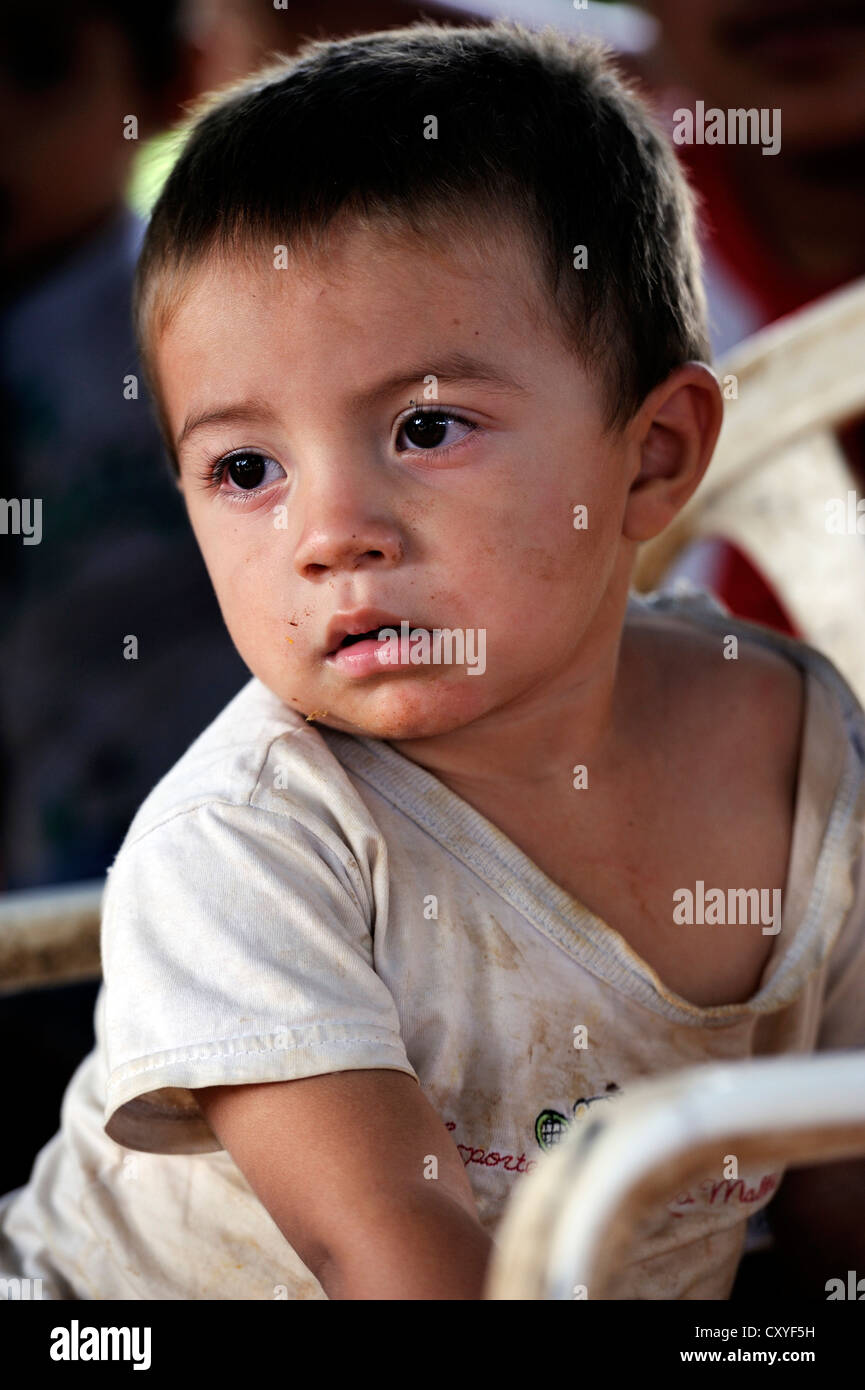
{"points": [[361, 658]]}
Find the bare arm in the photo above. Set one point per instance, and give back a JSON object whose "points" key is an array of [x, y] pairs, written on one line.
{"points": [[338, 1161]]}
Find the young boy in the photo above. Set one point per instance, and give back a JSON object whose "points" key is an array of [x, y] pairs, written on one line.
{"points": [[423, 319]]}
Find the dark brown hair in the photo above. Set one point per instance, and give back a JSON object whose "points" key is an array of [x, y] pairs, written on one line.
{"points": [[533, 129]]}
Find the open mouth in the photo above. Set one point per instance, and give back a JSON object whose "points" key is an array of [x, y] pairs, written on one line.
{"points": [[370, 650], [371, 635]]}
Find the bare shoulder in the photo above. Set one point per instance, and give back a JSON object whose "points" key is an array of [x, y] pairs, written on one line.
{"points": [[719, 728], [734, 704]]}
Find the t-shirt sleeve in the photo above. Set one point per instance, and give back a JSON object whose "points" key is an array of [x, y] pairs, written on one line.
{"points": [[237, 947], [842, 1020]]}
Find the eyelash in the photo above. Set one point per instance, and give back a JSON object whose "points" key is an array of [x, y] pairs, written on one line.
{"points": [[439, 414], [214, 471]]}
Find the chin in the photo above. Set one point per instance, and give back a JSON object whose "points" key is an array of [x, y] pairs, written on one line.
{"points": [[409, 710]]}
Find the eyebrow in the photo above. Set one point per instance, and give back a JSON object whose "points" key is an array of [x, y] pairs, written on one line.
{"points": [[252, 411], [457, 367]]}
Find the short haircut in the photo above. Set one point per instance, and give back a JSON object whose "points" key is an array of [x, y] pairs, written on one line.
{"points": [[533, 130]]}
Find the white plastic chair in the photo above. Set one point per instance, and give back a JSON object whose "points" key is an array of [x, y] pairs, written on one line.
{"points": [[778, 464], [569, 1222]]}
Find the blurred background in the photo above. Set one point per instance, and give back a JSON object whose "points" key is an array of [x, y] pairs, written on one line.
{"points": [[113, 653]]}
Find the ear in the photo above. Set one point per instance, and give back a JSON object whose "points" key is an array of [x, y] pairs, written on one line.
{"points": [[672, 439]]}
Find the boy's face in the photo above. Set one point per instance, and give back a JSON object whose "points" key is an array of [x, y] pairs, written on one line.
{"points": [[340, 500]]}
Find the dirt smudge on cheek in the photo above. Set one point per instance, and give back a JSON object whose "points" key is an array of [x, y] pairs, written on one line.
{"points": [[450, 598], [549, 564]]}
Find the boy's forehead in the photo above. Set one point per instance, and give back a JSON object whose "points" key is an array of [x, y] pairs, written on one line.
{"points": [[373, 268], [368, 298]]}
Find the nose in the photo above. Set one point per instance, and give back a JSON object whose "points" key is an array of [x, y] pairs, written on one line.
{"points": [[345, 540]]}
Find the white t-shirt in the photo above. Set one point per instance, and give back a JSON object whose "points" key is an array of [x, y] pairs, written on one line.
{"points": [[291, 900]]}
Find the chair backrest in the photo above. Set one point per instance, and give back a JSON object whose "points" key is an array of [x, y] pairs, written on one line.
{"points": [[779, 477], [50, 936], [568, 1224]]}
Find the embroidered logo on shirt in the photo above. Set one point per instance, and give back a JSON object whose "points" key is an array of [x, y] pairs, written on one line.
{"points": [[715, 1192], [469, 1153], [551, 1126]]}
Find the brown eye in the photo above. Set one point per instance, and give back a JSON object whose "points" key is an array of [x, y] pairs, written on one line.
{"points": [[428, 429], [247, 470]]}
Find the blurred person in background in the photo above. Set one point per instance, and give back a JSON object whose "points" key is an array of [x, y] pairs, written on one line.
{"points": [[91, 644], [779, 230], [782, 229]]}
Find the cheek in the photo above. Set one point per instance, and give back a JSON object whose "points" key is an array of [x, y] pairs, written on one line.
{"points": [[239, 565], [549, 537]]}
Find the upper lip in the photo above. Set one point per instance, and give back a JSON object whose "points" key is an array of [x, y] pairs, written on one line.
{"points": [[358, 620]]}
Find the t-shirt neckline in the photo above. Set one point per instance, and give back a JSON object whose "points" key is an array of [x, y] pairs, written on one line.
{"points": [[488, 852]]}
